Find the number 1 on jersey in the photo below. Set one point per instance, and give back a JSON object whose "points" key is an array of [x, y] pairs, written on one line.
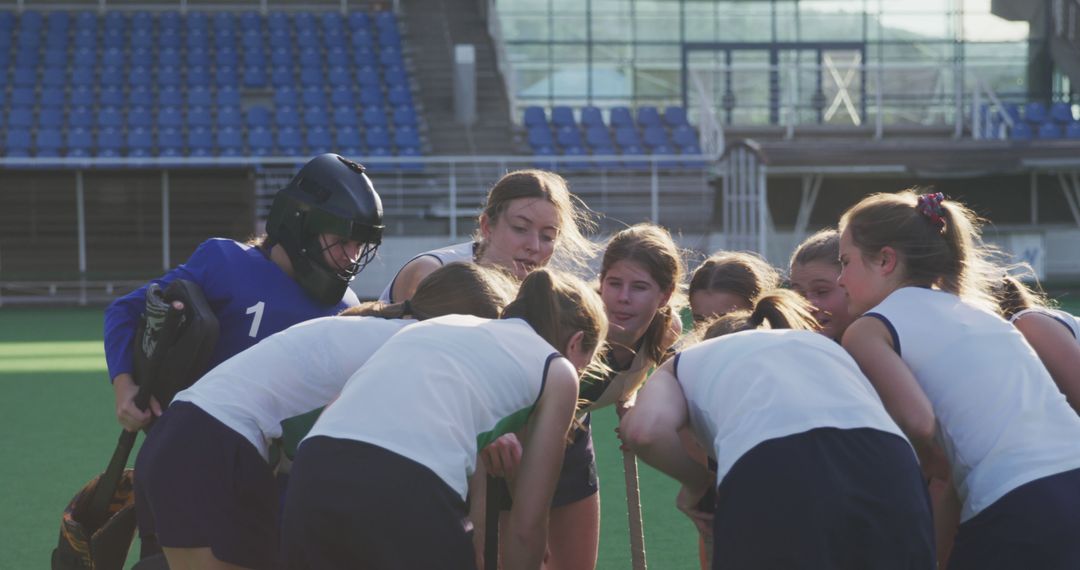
{"points": [[257, 309]]}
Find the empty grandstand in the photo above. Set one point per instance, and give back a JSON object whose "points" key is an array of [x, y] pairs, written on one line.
{"points": [[131, 130]]}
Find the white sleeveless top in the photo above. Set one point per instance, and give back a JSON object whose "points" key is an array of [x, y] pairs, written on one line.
{"points": [[746, 388], [1002, 420], [448, 254], [297, 370], [1066, 319], [441, 390]]}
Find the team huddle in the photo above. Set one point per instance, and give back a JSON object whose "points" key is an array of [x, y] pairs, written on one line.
{"points": [[902, 403]]}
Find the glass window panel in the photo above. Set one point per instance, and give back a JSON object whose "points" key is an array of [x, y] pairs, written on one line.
{"points": [[611, 20], [656, 21], [702, 23]]}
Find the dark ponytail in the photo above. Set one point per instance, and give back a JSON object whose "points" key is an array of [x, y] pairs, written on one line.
{"points": [[780, 309]]}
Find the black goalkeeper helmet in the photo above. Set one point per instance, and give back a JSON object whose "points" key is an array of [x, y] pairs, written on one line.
{"points": [[330, 195]]}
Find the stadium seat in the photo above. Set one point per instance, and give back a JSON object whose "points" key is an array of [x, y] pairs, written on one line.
{"points": [[260, 141], [562, 116], [228, 96], [648, 116], [406, 137], [348, 137], [377, 138], [342, 96], [289, 142], [627, 136], [656, 136], [199, 117], [81, 117], [396, 76], [540, 137], [200, 142], [598, 136], [675, 117], [110, 117], [19, 118], [51, 118], [319, 141], [1035, 112], [620, 118], [286, 117], [112, 96], [313, 96], [344, 117], [592, 117], [141, 95], [170, 142], [569, 137], [399, 95], [54, 77], [374, 117], [1061, 112], [170, 117], [230, 117], [80, 142], [253, 76], [199, 96], [52, 98], [17, 142], [286, 97], [140, 117], [684, 135], [404, 115], [1072, 130], [1020, 131], [140, 142], [110, 142], [315, 117], [258, 117], [1049, 130], [230, 141]]}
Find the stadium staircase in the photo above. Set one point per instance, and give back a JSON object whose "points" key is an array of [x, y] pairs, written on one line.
{"points": [[433, 27]]}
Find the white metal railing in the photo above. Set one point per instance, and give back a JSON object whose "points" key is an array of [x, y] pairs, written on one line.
{"points": [[990, 118]]}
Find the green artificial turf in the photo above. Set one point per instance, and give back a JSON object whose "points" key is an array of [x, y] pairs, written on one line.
{"points": [[59, 430]]}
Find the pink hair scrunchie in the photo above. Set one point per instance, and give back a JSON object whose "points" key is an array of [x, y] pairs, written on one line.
{"points": [[929, 205]]}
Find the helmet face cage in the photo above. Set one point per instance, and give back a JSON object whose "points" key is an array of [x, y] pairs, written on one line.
{"points": [[350, 270]]}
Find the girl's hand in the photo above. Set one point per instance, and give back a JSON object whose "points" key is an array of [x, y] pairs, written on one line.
{"points": [[689, 502], [127, 413], [502, 457]]}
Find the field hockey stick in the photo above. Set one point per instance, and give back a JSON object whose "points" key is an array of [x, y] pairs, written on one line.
{"points": [[98, 510], [492, 507], [633, 508]]}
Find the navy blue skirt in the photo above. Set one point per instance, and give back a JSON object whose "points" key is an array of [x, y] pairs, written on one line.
{"points": [[1036, 525], [198, 483], [827, 498], [355, 505]]}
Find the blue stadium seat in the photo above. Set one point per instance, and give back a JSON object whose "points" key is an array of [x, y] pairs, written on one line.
{"points": [[230, 141], [535, 117], [318, 141], [169, 57], [48, 142], [171, 20], [110, 142], [281, 76], [226, 75], [281, 56], [377, 138], [54, 57], [339, 76], [359, 20], [568, 137], [112, 96], [684, 135], [81, 118], [254, 56], [598, 136], [374, 117], [1072, 130], [648, 116], [140, 77], [25, 76], [170, 96], [290, 142], [197, 39], [313, 95], [113, 57], [371, 96], [1021, 131], [1035, 112], [396, 76], [405, 115], [17, 143], [286, 97], [230, 117], [310, 58], [258, 117], [405, 137], [51, 118], [198, 56], [141, 95], [20, 118], [1061, 112], [390, 57], [142, 20], [228, 96], [620, 118], [540, 137], [26, 97], [170, 142], [390, 39], [84, 19], [85, 58], [592, 117], [308, 38], [315, 117], [304, 21], [140, 117], [675, 117], [170, 117], [398, 95], [254, 76], [140, 142], [252, 42], [142, 39], [627, 136], [348, 137], [200, 142], [199, 117], [260, 142], [110, 117], [169, 38], [312, 76], [340, 96], [52, 98], [286, 117], [1049, 130], [226, 56], [345, 117], [368, 76], [80, 142], [85, 39], [656, 136], [562, 116], [166, 77], [363, 39], [199, 96]]}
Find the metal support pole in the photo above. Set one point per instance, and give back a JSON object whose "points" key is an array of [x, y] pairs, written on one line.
{"points": [[1034, 198], [654, 195], [166, 263], [879, 102], [453, 202], [80, 216]]}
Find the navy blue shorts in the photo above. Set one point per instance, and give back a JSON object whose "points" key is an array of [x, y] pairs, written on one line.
{"points": [[198, 483], [578, 479], [826, 498], [1036, 525], [355, 505]]}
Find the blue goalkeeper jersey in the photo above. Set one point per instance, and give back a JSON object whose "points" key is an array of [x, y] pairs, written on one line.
{"points": [[251, 296]]}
